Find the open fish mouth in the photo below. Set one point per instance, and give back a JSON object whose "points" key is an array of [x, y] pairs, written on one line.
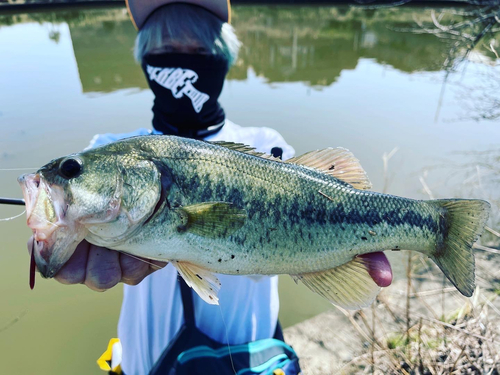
{"points": [[53, 234]]}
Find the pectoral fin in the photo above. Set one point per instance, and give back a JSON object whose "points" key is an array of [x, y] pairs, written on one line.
{"points": [[349, 286], [211, 219], [204, 282]]}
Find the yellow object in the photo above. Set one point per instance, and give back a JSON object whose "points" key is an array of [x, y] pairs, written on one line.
{"points": [[104, 360], [278, 371]]}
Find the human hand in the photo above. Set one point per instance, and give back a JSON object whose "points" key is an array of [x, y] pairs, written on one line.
{"points": [[100, 268]]}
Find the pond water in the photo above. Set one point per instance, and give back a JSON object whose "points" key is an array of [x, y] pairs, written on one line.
{"points": [[321, 76]]}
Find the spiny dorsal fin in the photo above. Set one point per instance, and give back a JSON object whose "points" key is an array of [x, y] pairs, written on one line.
{"points": [[211, 219], [337, 162], [204, 282], [349, 286], [241, 147], [245, 149]]}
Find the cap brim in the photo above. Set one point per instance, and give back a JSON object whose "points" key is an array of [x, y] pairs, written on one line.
{"points": [[140, 10]]}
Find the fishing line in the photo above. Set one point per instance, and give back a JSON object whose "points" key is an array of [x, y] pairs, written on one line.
{"points": [[145, 261], [44, 219], [227, 340], [13, 321], [14, 217]]}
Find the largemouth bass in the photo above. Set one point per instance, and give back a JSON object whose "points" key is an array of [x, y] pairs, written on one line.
{"points": [[222, 208]]}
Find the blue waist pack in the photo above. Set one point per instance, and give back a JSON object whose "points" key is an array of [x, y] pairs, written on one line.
{"points": [[192, 352]]}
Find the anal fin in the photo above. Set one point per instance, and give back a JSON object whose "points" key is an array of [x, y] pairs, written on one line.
{"points": [[204, 282], [349, 286]]}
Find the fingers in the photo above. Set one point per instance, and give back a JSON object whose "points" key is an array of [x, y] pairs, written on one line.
{"points": [[103, 269], [155, 265], [96, 267], [100, 268], [134, 270], [75, 269]]}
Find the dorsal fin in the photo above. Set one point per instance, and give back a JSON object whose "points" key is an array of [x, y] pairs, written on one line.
{"points": [[245, 149], [337, 162], [235, 146]]}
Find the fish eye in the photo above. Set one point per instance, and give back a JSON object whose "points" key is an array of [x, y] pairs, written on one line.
{"points": [[70, 168]]}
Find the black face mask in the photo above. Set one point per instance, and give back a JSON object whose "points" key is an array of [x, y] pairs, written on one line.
{"points": [[186, 89]]}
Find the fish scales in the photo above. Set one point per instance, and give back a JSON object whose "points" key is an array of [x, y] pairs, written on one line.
{"points": [[289, 221], [220, 208]]}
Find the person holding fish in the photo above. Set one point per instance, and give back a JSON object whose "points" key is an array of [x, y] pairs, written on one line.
{"points": [[218, 209], [185, 49]]}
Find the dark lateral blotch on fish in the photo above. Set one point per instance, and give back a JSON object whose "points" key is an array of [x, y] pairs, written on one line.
{"points": [[201, 204]]}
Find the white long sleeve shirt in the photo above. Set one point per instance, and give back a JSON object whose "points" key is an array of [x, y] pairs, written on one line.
{"points": [[152, 313]]}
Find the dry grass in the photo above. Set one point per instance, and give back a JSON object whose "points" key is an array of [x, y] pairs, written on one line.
{"points": [[409, 342], [417, 334]]}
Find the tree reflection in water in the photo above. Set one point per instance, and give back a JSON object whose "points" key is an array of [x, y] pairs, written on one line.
{"points": [[310, 44], [475, 37]]}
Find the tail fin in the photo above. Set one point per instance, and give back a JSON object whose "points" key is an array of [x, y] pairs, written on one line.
{"points": [[464, 223]]}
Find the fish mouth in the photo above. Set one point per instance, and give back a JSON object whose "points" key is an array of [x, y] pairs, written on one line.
{"points": [[54, 236], [52, 253], [378, 267]]}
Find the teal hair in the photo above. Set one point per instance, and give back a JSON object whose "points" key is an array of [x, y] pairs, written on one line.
{"points": [[185, 23]]}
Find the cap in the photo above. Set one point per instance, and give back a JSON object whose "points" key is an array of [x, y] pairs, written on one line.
{"points": [[140, 10]]}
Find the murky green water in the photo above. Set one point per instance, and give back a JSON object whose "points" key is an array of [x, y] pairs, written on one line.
{"points": [[322, 76]]}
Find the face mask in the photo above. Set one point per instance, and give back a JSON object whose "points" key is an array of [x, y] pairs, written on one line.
{"points": [[186, 89]]}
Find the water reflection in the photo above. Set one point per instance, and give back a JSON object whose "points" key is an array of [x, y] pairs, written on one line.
{"points": [[283, 44], [315, 44], [481, 95], [103, 51]]}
